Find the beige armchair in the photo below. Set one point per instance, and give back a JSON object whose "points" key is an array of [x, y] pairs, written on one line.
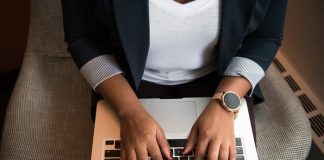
{"points": [[48, 116]]}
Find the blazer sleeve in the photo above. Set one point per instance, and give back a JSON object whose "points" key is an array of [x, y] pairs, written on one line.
{"points": [[262, 44], [88, 41], [85, 36]]}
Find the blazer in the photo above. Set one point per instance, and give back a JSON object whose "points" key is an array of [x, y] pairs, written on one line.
{"points": [[249, 28]]}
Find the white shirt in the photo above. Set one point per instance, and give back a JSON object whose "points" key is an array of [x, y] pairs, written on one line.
{"points": [[182, 40]]}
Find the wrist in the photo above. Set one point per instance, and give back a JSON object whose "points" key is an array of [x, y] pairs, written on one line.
{"points": [[217, 108], [129, 109], [115, 89], [229, 101], [239, 85]]}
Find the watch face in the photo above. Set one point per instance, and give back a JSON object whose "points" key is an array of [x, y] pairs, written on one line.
{"points": [[232, 100]]}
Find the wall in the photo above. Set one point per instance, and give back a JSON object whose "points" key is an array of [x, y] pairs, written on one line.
{"points": [[303, 46], [14, 19]]}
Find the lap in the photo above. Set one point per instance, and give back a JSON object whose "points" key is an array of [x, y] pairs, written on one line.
{"points": [[202, 87]]}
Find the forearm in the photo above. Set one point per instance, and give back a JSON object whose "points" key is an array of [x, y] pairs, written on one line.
{"points": [[119, 93], [237, 84]]}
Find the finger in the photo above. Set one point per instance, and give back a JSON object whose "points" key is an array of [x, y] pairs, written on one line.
{"points": [[201, 148], [123, 154], [232, 152], [163, 144], [141, 152], [213, 149], [130, 154], [223, 152], [192, 140], [154, 150]]}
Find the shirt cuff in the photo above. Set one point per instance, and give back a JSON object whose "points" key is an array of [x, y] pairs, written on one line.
{"points": [[99, 69], [240, 66]]}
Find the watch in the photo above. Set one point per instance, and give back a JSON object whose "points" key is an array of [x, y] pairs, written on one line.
{"points": [[229, 100]]}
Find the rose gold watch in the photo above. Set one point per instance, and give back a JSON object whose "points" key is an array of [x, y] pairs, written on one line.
{"points": [[229, 100]]}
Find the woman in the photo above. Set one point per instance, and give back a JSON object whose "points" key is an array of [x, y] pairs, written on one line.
{"points": [[130, 49]]}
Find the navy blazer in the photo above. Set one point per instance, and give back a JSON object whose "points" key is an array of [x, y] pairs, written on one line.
{"points": [[249, 28]]}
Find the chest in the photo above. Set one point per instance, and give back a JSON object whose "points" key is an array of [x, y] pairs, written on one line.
{"points": [[175, 24]]}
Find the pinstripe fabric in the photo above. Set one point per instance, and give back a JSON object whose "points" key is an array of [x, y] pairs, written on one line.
{"points": [[99, 69], [103, 67], [247, 68]]}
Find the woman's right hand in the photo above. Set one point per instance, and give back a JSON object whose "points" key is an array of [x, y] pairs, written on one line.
{"points": [[142, 136]]}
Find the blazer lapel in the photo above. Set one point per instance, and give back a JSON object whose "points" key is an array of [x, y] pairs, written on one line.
{"points": [[132, 21], [236, 15]]}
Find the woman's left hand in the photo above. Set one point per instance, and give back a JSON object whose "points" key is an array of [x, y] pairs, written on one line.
{"points": [[212, 135]]}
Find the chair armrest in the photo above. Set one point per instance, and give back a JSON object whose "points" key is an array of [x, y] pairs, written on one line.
{"points": [[282, 127]]}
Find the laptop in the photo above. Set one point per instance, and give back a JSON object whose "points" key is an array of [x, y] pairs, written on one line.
{"points": [[176, 117]]}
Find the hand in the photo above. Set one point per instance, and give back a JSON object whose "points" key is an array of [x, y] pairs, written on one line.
{"points": [[213, 132], [142, 136]]}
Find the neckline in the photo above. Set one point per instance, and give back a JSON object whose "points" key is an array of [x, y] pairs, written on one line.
{"points": [[184, 3], [182, 9]]}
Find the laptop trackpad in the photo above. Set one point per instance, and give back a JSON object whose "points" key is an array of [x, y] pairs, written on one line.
{"points": [[176, 118]]}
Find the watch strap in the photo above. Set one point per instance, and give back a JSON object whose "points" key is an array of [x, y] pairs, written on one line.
{"points": [[218, 96]]}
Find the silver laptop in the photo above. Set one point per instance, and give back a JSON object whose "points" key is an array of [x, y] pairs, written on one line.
{"points": [[176, 117]]}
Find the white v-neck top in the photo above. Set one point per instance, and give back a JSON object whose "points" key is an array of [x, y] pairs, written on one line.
{"points": [[182, 40]]}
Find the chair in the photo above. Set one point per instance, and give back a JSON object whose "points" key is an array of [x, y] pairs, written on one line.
{"points": [[48, 116], [282, 128]]}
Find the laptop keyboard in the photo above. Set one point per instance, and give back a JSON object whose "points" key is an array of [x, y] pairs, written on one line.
{"points": [[112, 149]]}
